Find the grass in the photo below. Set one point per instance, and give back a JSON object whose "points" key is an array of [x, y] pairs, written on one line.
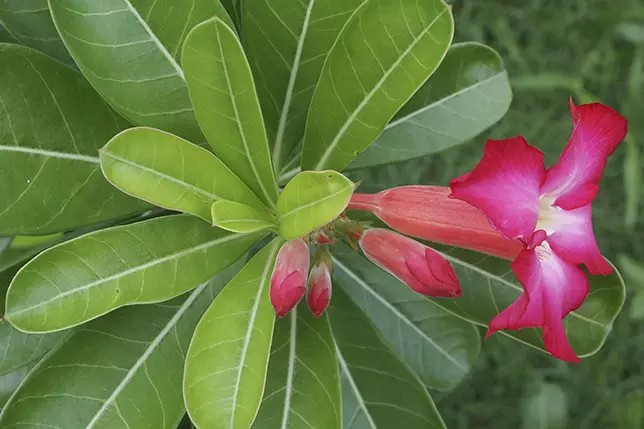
{"points": [[553, 50]]}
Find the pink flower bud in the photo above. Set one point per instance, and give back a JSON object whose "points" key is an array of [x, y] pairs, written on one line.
{"points": [[429, 213], [319, 294], [419, 267], [288, 281]]}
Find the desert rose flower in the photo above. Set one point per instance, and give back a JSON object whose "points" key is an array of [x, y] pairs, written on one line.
{"points": [[422, 269], [288, 281], [549, 212]]}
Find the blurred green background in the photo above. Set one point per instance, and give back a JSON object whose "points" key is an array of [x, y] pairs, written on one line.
{"points": [[592, 50]]}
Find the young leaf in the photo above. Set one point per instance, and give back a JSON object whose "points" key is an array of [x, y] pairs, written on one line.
{"points": [[385, 53], [123, 370], [469, 92], [228, 355], [224, 98], [129, 51], [237, 217], [170, 172], [378, 390], [302, 388], [52, 124], [29, 22], [288, 42], [489, 286], [440, 348], [311, 200], [145, 262]]}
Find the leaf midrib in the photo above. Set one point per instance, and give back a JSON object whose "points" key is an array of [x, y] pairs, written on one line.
{"points": [[250, 329], [400, 315], [164, 176], [354, 387], [127, 272], [146, 354], [327, 152]]}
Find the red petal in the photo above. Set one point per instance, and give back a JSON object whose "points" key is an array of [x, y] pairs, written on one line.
{"points": [[597, 131], [552, 289], [574, 240], [505, 186]]}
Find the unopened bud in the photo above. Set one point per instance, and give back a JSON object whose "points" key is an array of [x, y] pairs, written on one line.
{"points": [[319, 293], [419, 267], [288, 281]]}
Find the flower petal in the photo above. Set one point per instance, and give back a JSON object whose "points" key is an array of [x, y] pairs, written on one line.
{"points": [[505, 186], [573, 238], [597, 131], [552, 289]]}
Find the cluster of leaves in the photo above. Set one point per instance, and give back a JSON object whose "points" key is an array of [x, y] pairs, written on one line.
{"points": [[229, 102]]}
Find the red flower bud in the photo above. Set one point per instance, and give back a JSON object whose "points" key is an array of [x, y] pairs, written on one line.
{"points": [[319, 294], [288, 281], [427, 212], [419, 267]]}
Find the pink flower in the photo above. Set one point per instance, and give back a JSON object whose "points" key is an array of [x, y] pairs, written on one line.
{"points": [[319, 293], [549, 212], [416, 265], [288, 281]]}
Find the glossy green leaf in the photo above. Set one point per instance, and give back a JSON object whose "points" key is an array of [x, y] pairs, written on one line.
{"points": [[469, 92], [129, 50], [52, 124], [440, 348], [311, 200], [545, 407], [378, 390], [17, 348], [226, 105], [237, 217], [303, 387], [144, 262], [384, 54], [170, 172], [228, 355], [489, 286], [10, 382], [29, 22], [5, 37], [122, 370], [288, 42]]}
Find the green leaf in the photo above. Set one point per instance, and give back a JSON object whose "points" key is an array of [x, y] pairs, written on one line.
{"points": [[170, 172], [29, 22], [129, 50], [228, 355], [226, 105], [365, 81], [9, 383], [440, 348], [237, 217], [546, 407], [469, 92], [489, 286], [311, 200], [123, 370], [5, 37], [378, 390], [52, 124], [17, 348], [144, 262], [302, 388], [632, 182], [288, 42]]}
